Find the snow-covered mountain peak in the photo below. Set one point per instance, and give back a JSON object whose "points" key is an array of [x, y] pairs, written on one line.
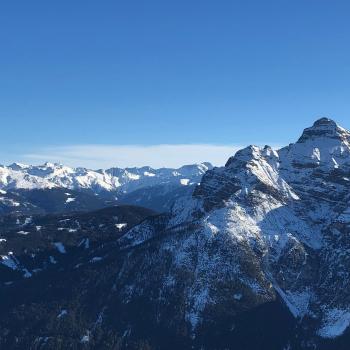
{"points": [[49, 165], [18, 166], [199, 168], [325, 123], [245, 155], [325, 145], [324, 128], [253, 157]]}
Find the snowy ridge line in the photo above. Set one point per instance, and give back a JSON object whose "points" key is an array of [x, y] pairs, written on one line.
{"points": [[50, 175]]}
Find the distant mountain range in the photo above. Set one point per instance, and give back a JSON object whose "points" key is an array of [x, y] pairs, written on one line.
{"points": [[43, 188], [256, 256]]}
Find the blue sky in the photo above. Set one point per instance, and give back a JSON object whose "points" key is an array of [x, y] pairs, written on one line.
{"points": [[82, 78]]}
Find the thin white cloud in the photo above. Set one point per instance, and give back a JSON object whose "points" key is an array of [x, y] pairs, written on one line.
{"points": [[105, 156]]}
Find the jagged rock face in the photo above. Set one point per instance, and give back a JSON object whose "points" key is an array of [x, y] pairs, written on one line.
{"points": [[258, 257], [268, 226]]}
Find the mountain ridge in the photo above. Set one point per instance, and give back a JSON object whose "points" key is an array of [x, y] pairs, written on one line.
{"points": [[145, 186], [274, 208], [50, 175]]}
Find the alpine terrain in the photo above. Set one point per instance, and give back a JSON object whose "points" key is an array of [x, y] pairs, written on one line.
{"points": [[256, 256], [54, 188]]}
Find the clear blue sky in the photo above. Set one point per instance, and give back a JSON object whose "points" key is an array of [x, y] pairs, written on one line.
{"points": [[169, 72]]}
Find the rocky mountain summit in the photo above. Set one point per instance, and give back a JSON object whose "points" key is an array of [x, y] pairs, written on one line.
{"points": [[257, 257], [269, 226]]}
